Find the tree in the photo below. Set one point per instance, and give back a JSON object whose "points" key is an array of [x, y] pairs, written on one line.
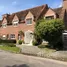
{"points": [[21, 33], [49, 30]]}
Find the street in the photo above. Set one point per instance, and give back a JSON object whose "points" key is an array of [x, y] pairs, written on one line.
{"points": [[18, 60]]}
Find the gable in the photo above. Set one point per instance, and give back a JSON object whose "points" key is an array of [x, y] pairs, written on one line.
{"points": [[4, 20], [50, 12], [15, 18], [29, 15]]}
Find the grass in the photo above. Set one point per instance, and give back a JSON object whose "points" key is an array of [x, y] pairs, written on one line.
{"points": [[10, 49], [46, 49]]}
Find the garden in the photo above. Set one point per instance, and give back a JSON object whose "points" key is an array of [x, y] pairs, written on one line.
{"points": [[9, 45]]}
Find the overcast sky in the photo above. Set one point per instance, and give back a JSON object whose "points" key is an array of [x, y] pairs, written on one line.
{"points": [[10, 6]]}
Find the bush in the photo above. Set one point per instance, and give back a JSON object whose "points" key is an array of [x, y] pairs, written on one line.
{"points": [[7, 41], [35, 43], [20, 42], [50, 30]]}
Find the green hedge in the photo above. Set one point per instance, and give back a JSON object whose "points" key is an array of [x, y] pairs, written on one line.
{"points": [[7, 41]]}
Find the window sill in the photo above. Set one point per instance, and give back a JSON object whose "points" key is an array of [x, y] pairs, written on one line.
{"points": [[28, 24]]}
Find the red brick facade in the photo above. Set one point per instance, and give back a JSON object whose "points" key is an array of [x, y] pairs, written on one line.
{"points": [[34, 13]]}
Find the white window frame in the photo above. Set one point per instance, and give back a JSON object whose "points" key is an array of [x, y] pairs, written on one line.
{"points": [[12, 36], [4, 25], [15, 23]]}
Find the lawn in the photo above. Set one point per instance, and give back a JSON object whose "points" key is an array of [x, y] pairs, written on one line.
{"points": [[10, 49]]}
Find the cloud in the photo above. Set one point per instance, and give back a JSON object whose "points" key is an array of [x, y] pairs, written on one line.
{"points": [[60, 5]]}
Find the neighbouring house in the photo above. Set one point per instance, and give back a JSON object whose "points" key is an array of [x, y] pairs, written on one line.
{"points": [[12, 24]]}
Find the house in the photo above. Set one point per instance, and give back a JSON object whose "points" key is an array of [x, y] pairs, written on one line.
{"points": [[12, 24]]}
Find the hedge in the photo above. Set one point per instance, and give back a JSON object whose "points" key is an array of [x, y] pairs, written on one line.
{"points": [[7, 41]]}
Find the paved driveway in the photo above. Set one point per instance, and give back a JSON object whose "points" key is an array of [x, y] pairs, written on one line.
{"points": [[18, 60]]}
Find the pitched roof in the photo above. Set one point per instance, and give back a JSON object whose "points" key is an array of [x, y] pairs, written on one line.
{"points": [[58, 11], [36, 11]]}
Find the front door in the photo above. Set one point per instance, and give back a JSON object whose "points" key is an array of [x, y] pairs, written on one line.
{"points": [[28, 37]]}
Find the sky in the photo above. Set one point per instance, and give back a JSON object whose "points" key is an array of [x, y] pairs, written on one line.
{"points": [[11, 6]]}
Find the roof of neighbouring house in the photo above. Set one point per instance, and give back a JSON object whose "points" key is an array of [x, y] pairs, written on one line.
{"points": [[58, 11]]}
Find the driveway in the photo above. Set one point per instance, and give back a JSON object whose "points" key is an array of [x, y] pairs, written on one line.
{"points": [[18, 60]]}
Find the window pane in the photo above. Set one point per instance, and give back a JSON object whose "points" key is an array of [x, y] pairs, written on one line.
{"points": [[12, 36], [4, 25], [15, 23], [50, 17], [29, 21]]}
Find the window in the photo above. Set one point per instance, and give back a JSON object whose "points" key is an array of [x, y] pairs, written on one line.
{"points": [[4, 25], [12, 36], [29, 21], [49, 17], [15, 23]]}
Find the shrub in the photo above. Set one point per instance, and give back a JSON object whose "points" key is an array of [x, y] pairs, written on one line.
{"points": [[50, 30], [20, 42], [35, 43], [7, 41]]}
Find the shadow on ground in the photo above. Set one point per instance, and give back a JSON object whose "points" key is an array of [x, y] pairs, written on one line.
{"points": [[23, 65]]}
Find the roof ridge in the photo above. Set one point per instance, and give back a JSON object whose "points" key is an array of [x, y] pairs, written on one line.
{"points": [[29, 9]]}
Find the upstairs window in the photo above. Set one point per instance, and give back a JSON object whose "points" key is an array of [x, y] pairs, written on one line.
{"points": [[29, 21], [15, 23], [12, 36], [4, 25], [49, 17]]}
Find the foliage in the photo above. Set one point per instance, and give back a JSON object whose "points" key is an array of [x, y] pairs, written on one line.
{"points": [[7, 41], [20, 42], [49, 30], [21, 33], [34, 42]]}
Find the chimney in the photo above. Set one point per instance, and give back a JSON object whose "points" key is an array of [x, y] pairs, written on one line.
{"points": [[64, 4], [5, 15]]}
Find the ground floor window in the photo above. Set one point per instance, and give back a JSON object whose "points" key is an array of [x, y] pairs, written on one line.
{"points": [[12, 36]]}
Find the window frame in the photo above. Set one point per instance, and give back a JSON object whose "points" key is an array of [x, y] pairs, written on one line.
{"points": [[4, 25], [15, 23], [12, 36], [28, 23], [49, 17]]}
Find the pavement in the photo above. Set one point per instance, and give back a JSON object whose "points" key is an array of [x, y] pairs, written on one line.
{"points": [[8, 59]]}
